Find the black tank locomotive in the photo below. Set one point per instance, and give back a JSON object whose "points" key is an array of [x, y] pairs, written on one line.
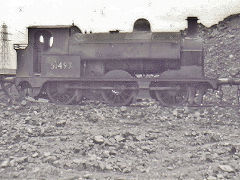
{"points": [[67, 65]]}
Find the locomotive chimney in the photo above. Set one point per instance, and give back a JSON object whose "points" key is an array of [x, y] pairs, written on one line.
{"points": [[192, 26]]}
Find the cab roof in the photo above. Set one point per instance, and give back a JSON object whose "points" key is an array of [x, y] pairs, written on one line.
{"points": [[51, 27]]}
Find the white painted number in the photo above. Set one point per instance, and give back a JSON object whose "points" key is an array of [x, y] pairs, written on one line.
{"points": [[60, 65]]}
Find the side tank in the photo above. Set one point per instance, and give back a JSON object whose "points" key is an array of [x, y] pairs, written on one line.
{"points": [[140, 51]]}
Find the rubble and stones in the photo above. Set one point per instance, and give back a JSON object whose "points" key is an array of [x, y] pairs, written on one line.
{"points": [[160, 142]]}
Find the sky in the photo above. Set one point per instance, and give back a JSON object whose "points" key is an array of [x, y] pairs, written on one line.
{"points": [[105, 15]]}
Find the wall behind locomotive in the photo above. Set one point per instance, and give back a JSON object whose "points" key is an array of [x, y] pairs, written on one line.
{"points": [[105, 15]]}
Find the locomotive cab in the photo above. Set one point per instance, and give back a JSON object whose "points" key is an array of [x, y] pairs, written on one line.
{"points": [[43, 41], [46, 57]]}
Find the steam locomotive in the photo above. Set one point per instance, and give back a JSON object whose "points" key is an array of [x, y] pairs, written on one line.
{"points": [[66, 65]]}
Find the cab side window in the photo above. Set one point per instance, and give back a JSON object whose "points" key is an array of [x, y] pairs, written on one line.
{"points": [[43, 40]]}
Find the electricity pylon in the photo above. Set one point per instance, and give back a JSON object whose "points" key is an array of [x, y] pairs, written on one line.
{"points": [[4, 61]]}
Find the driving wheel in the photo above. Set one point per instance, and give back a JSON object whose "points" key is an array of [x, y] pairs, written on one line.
{"points": [[59, 93], [120, 93], [172, 97]]}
